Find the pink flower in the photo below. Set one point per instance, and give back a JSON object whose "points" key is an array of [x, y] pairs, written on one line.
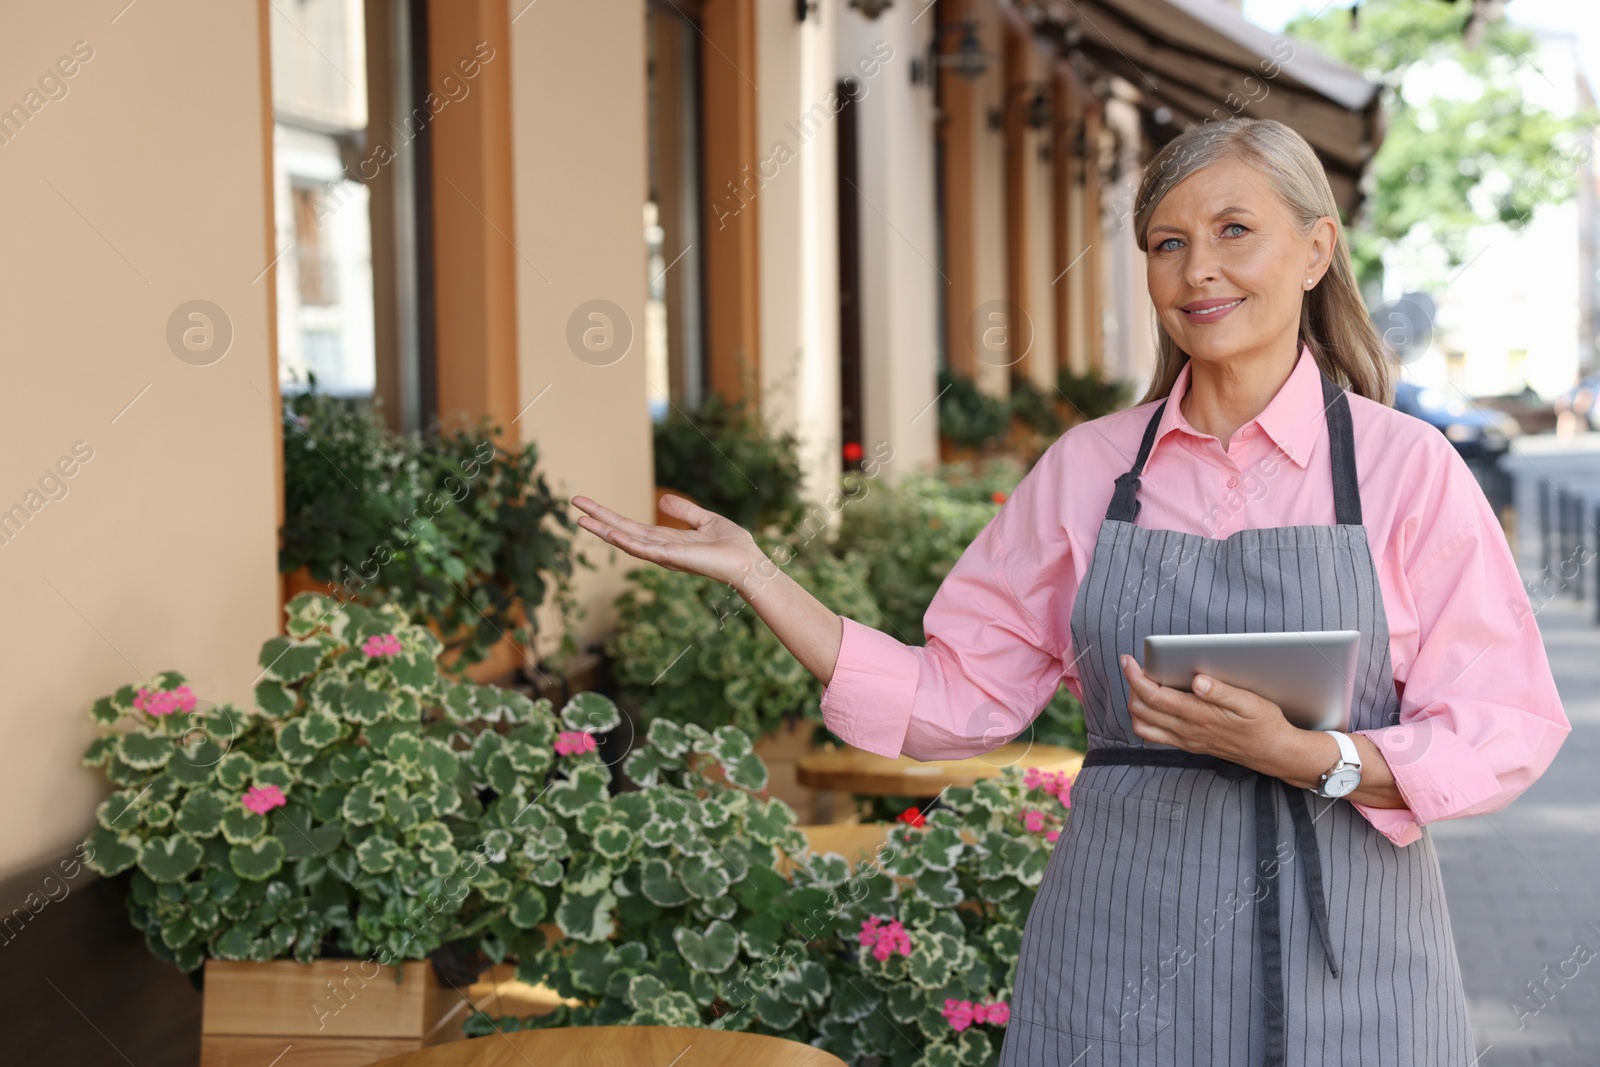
{"points": [[958, 1013], [263, 798], [164, 702], [381, 645], [574, 742], [885, 940], [1056, 783], [964, 1013], [1052, 835]]}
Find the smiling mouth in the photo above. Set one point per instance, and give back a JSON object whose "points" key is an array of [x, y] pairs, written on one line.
{"points": [[1213, 312]]}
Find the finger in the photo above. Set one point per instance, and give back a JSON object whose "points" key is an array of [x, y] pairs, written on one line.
{"points": [[1165, 718], [651, 549], [683, 508], [1139, 682], [613, 519]]}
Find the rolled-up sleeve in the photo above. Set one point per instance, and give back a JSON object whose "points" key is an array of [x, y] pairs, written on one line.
{"points": [[1480, 716], [987, 668]]}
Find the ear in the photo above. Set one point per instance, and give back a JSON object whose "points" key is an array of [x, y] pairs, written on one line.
{"points": [[1323, 239]]}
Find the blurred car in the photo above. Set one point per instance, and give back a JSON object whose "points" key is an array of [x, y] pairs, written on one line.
{"points": [[1581, 401], [1534, 414], [1477, 432]]}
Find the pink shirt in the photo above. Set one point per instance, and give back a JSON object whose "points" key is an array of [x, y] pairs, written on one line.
{"points": [[1480, 718]]}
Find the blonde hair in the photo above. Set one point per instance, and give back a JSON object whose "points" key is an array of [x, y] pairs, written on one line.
{"points": [[1334, 321]]}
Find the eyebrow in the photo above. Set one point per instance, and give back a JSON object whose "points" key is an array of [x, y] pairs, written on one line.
{"points": [[1231, 209]]}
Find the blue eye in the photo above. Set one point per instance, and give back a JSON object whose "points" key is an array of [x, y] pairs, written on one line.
{"points": [[1162, 246], [1241, 225]]}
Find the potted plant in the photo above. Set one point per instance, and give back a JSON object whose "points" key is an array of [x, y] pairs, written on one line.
{"points": [[689, 649], [971, 422], [724, 457], [691, 902], [315, 851], [667, 896], [461, 533], [1089, 395]]}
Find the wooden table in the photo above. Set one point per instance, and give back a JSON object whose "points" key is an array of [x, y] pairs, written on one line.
{"points": [[855, 771], [618, 1046]]}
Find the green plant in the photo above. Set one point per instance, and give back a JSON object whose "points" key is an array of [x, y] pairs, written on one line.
{"points": [[910, 535], [1090, 396], [890, 962], [337, 819], [667, 895], [497, 552], [989, 481], [690, 649], [455, 530], [969, 417], [928, 948], [347, 483], [723, 455], [1033, 408]]}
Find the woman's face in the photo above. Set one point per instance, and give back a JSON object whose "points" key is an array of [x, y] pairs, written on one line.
{"points": [[1226, 266]]}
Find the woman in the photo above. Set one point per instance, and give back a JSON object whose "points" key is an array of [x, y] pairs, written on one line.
{"points": [[1251, 892]]}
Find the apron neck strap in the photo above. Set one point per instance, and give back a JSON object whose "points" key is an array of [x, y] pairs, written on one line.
{"points": [[1341, 440]]}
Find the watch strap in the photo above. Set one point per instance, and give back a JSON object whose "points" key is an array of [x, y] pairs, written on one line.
{"points": [[1347, 749]]}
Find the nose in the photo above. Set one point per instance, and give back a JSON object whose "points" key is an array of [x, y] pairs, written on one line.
{"points": [[1201, 266]]}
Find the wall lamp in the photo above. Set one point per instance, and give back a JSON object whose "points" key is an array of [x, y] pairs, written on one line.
{"points": [[1038, 107], [871, 9], [968, 60]]}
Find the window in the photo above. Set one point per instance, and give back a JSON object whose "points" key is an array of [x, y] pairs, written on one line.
{"points": [[674, 330], [350, 167]]}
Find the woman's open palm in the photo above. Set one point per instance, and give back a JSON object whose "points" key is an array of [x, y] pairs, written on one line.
{"points": [[716, 547]]}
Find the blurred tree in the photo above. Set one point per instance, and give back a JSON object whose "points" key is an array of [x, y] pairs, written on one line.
{"points": [[1475, 150]]}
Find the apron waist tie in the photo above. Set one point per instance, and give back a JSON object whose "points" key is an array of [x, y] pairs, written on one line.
{"points": [[1266, 846]]}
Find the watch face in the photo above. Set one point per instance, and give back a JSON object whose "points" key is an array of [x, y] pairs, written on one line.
{"points": [[1341, 782]]}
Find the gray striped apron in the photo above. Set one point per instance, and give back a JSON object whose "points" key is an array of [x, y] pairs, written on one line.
{"points": [[1171, 927]]}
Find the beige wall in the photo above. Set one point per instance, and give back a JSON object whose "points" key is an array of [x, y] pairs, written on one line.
{"points": [[796, 135], [1040, 364], [992, 373], [578, 130], [142, 188]]}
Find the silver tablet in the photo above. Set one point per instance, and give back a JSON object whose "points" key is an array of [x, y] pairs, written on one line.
{"points": [[1310, 674]]}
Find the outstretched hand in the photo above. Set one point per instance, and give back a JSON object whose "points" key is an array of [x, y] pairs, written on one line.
{"points": [[715, 547], [1216, 719]]}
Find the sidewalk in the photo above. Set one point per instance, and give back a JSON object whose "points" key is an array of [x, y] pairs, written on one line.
{"points": [[1524, 884]]}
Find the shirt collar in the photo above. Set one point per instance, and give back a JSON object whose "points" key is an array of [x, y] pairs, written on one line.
{"points": [[1292, 418]]}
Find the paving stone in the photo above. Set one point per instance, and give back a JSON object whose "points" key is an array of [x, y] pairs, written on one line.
{"points": [[1523, 884]]}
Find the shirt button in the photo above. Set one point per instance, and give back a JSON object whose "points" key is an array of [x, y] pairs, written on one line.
{"points": [[1233, 481], [1249, 431]]}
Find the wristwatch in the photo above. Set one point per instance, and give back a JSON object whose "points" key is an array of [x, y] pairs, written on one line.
{"points": [[1343, 777]]}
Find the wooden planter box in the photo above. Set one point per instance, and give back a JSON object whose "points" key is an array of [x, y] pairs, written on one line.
{"points": [[329, 1013]]}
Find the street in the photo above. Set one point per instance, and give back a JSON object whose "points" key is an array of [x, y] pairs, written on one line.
{"points": [[1524, 884]]}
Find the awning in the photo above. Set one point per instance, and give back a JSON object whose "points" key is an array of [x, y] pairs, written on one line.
{"points": [[1202, 59]]}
